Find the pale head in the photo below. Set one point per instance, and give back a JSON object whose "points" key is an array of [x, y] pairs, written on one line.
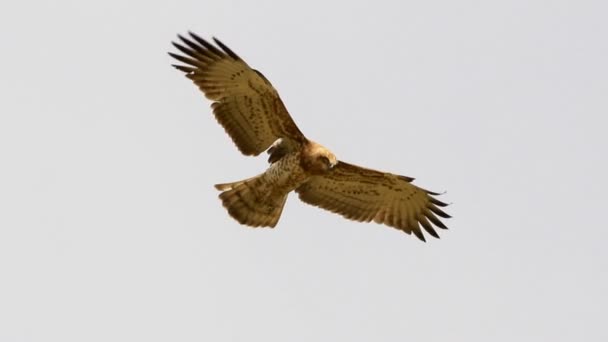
{"points": [[316, 159]]}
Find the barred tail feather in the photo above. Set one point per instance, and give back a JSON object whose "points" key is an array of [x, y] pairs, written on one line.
{"points": [[251, 202]]}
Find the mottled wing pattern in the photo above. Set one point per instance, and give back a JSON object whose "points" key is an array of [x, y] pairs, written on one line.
{"points": [[363, 195], [245, 103]]}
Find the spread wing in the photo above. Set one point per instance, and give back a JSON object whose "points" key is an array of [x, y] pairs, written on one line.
{"points": [[363, 195], [245, 103]]}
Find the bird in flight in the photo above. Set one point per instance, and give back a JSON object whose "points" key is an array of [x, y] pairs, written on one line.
{"points": [[249, 108]]}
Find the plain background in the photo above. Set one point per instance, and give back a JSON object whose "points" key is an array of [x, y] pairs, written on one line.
{"points": [[110, 229]]}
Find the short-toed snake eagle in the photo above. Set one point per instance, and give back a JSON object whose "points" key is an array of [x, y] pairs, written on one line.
{"points": [[252, 113]]}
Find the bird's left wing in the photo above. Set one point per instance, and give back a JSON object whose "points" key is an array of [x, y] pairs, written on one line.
{"points": [[245, 103], [363, 194]]}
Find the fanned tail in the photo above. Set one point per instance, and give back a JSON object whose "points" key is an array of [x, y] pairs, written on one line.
{"points": [[251, 202]]}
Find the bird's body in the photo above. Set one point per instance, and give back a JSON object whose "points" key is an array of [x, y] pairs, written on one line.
{"points": [[253, 115], [258, 201]]}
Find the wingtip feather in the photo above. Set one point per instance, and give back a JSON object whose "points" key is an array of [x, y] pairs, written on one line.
{"points": [[226, 49]]}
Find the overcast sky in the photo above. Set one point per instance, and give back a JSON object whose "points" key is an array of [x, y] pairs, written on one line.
{"points": [[111, 230]]}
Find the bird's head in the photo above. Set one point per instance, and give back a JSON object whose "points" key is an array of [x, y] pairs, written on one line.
{"points": [[317, 159]]}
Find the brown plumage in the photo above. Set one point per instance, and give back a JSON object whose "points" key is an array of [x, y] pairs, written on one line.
{"points": [[253, 115]]}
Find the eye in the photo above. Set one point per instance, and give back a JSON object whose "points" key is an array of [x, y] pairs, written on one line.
{"points": [[325, 160]]}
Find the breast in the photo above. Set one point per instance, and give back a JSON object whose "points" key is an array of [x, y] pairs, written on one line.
{"points": [[287, 173]]}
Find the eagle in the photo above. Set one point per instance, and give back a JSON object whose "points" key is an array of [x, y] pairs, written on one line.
{"points": [[250, 110]]}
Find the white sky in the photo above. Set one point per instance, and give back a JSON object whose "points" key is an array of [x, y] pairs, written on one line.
{"points": [[110, 229]]}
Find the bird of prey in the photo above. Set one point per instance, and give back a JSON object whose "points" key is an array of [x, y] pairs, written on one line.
{"points": [[249, 108]]}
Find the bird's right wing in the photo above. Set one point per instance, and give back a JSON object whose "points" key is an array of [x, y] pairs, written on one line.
{"points": [[245, 103], [363, 194]]}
